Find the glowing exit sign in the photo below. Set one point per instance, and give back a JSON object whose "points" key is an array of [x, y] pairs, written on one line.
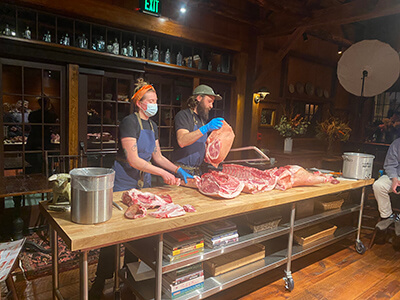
{"points": [[152, 7]]}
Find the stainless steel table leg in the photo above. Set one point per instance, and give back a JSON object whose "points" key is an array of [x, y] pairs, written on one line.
{"points": [[54, 249], [84, 290], [289, 283], [159, 257], [360, 248], [117, 267]]}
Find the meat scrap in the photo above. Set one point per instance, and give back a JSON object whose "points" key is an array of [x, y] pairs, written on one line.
{"points": [[254, 180], [147, 200], [168, 211], [135, 211], [219, 184], [189, 208], [219, 144]]}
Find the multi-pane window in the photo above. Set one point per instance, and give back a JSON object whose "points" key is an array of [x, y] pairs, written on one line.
{"points": [[32, 96], [386, 104]]}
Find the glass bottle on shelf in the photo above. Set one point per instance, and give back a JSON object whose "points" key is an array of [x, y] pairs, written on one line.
{"points": [[116, 47], [124, 51], [27, 33], [209, 68], [179, 59], [168, 57], [47, 37], [219, 68], [143, 50], [149, 54], [101, 44], [130, 49], [66, 40], [189, 62], [110, 47], [83, 41], [62, 40], [155, 53], [7, 30]]}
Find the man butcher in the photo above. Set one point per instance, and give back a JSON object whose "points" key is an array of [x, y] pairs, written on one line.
{"points": [[388, 183], [192, 129]]}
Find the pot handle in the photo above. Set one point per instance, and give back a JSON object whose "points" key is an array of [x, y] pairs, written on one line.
{"points": [[345, 157]]}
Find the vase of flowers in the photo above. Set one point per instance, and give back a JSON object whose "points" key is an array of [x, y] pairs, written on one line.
{"points": [[289, 127], [333, 130]]}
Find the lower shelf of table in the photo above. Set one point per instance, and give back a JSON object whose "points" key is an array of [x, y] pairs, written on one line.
{"points": [[212, 285]]}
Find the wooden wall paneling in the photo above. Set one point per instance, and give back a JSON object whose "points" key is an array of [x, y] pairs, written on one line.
{"points": [[238, 99], [120, 17], [73, 116]]}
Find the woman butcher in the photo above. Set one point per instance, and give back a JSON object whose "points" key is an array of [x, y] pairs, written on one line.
{"points": [[138, 144]]}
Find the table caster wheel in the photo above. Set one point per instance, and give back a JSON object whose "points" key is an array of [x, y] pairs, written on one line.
{"points": [[289, 283], [360, 248]]}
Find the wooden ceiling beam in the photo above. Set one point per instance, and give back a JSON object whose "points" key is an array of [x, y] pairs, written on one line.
{"points": [[327, 36], [279, 56], [355, 11]]}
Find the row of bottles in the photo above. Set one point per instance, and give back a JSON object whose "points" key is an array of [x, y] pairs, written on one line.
{"points": [[114, 48]]}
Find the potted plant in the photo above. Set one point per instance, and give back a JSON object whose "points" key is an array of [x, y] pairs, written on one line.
{"points": [[289, 127], [332, 130]]}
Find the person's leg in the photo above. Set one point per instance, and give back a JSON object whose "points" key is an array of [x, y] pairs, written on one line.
{"points": [[381, 189], [105, 270]]}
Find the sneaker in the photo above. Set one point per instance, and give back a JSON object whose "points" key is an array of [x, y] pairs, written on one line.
{"points": [[384, 224], [397, 225]]}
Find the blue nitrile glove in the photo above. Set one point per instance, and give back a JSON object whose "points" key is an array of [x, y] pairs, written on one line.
{"points": [[214, 124], [182, 173]]}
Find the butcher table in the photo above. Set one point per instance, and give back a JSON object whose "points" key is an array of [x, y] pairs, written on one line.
{"points": [[121, 230]]}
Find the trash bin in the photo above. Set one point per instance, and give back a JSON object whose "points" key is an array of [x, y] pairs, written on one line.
{"points": [[91, 195]]}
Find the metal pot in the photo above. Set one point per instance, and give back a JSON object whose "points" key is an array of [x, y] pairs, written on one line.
{"points": [[91, 195], [357, 165]]}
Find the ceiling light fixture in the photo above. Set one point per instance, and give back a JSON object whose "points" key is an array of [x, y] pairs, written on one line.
{"points": [[183, 10], [260, 95], [339, 50]]}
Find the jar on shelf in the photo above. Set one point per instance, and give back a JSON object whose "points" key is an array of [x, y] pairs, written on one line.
{"points": [[66, 40], [110, 47], [130, 49], [83, 41], [149, 54], [101, 45], [179, 59], [124, 51], [168, 57], [155, 53], [47, 37], [116, 47], [7, 30]]}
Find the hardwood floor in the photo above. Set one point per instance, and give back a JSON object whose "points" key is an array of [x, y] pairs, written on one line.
{"points": [[334, 272]]}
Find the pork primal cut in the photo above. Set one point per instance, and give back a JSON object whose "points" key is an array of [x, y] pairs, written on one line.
{"points": [[219, 144], [254, 180], [168, 211], [147, 200], [135, 211], [218, 184]]}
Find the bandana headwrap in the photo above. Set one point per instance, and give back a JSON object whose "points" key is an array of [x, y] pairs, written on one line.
{"points": [[140, 93]]}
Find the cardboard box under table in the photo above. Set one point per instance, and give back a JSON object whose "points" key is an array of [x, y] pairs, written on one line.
{"points": [[314, 233]]}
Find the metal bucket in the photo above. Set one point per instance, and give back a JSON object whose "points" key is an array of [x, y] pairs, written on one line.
{"points": [[357, 165], [91, 195]]}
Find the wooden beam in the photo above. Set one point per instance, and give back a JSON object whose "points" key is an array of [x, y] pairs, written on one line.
{"points": [[355, 11], [116, 16], [73, 122], [329, 37], [261, 77]]}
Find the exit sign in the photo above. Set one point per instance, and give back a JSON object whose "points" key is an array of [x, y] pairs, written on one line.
{"points": [[152, 7]]}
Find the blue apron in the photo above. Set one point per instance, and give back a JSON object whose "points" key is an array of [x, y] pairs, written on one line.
{"points": [[193, 155], [127, 177]]}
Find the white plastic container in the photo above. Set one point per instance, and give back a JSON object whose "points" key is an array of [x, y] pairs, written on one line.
{"points": [[357, 165]]}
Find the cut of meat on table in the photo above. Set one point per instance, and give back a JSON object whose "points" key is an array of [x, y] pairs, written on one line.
{"points": [[170, 210], [147, 200], [218, 184], [189, 208], [254, 180], [135, 211], [219, 144]]}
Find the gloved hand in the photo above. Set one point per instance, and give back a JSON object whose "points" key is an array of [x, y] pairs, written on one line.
{"points": [[214, 124], [182, 173]]}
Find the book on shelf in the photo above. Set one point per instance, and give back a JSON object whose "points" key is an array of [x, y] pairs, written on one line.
{"points": [[219, 235], [172, 258], [219, 227], [182, 237], [168, 279], [189, 281], [180, 293], [222, 242], [182, 272], [169, 250]]}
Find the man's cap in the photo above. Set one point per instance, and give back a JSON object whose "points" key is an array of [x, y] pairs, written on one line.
{"points": [[203, 89]]}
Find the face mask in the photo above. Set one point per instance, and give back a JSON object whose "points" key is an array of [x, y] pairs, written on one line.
{"points": [[151, 110]]}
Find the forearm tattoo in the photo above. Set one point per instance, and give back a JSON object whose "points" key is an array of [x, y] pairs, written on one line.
{"points": [[134, 147]]}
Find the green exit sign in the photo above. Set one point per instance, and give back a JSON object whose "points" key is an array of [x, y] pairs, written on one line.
{"points": [[152, 7]]}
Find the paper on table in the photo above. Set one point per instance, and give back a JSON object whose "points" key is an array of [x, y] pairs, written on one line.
{"points": [[8, 253], [140, 271]]}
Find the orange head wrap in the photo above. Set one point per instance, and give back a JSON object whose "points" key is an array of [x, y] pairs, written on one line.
{"points": [[140, 93]]}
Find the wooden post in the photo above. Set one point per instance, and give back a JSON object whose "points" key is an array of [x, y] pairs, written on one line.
{"points": [[73, 142]]}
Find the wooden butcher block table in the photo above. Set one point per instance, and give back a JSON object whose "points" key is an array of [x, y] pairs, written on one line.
{"points": [[120, 229]]}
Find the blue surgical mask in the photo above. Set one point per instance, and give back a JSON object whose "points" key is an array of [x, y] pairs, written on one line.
{"points": [[151, 110]]}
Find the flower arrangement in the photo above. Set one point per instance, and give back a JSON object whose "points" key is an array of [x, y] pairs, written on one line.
{"points": [[333, 129], [289, 127]]}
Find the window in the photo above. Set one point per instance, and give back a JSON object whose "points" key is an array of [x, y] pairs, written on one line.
{"points": [[386, 104]]}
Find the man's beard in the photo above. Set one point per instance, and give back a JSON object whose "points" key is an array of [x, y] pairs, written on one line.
{"points": [[202, 111]]}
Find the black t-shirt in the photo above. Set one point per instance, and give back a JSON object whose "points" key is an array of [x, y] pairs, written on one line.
{"points": [[185, 119], [130, 127]]}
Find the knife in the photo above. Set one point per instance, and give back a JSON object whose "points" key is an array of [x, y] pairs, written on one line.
{"points": [[117, 206]]}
